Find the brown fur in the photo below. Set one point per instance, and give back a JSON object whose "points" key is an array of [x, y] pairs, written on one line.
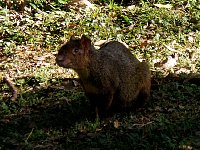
{"points": [[112, 77]]}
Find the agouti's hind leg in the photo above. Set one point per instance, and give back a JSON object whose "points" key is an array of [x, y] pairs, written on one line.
{"points": [[103, 105], [142, 98]]}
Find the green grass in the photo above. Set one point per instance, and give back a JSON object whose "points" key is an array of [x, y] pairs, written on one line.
{"points": [[52, 113]]}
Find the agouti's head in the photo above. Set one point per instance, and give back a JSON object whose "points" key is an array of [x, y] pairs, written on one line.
{"points": [[75, 53]]}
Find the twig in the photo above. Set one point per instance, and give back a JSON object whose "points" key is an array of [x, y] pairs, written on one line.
{"points": [[12, 87], [144, 124], [171, 49], [29, 135]]}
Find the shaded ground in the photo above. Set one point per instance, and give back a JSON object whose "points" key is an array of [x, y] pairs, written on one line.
{"points": [[169, 121]]}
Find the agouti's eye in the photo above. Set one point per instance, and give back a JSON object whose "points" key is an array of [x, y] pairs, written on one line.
{"points": [[75, 51]]}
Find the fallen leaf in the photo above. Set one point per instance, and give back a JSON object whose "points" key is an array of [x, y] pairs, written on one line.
{"points": [[183, 70], [99, 43], [116, 124], [170, 62], [163, 6], [191, 39], [131, 7], [144, 43]]}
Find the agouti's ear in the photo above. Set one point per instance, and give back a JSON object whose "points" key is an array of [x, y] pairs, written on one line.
{"points": [[85, 43], [72, 38]]}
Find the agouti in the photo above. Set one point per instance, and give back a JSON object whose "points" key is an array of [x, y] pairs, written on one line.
{"points": [[112, 78]]}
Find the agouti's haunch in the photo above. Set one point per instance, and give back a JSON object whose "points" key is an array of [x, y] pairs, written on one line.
{"points": [[111, 77]]}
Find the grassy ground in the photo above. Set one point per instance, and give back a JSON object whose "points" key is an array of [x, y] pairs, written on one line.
{"points": [[51, 111]]}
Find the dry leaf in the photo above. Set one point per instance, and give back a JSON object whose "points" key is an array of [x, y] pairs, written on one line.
{"points": [[80, 4], [131, 7], [183, 70], [191, 39], [75, 83], [163, 6], [116, 124], [99, 43], [169, 63], [144, 43]]}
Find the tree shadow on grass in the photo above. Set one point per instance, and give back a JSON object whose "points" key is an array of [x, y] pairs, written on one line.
{"points": [[48, 109], [51, 118]]}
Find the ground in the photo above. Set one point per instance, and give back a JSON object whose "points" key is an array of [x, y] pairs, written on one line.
{"points": [[51, 110]]}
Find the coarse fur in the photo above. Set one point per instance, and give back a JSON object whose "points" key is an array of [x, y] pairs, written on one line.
{"points": [[112, 77]]}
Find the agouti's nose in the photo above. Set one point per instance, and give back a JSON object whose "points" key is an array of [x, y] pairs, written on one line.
{"points": [[59, 58]]}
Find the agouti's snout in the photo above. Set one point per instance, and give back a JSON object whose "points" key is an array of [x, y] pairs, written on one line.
{"points": [[62, 61], [59, 57]]}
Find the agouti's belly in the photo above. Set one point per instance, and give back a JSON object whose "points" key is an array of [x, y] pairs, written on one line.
{"points": [[89, 88]]}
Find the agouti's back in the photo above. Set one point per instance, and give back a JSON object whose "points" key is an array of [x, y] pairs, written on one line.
{"points": [[111, 76]]}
